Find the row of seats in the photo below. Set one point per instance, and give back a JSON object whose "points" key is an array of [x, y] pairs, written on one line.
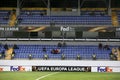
{"points": [[29, 19], [34, 17], [4, 17], [70, 51]]}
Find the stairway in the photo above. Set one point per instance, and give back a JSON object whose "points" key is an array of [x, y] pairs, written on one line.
{"points": [[12, 20], [118, 51], [114, 17], [8, 54]]}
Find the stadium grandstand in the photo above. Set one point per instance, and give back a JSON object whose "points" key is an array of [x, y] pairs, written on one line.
{"points": [[35, 33], [22, 20]]}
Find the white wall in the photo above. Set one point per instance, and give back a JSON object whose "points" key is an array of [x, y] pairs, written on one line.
{"points": [[58, 63]]}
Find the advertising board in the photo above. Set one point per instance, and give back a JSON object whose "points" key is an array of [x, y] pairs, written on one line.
{"points": [[62, 68]]}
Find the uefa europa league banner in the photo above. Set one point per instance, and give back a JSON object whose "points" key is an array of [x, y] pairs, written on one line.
{"points": [[62, 68]]}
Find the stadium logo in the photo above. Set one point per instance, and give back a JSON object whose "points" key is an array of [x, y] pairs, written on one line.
{"points": [[18, 68], [1, 69], [104, 69], [65, 28]]}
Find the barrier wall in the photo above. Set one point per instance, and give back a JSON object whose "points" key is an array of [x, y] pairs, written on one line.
{"points": [[26, 65]]}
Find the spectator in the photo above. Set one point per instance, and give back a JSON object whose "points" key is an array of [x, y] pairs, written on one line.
{"points": [[59, 44], [119, 48], [3, 53], [92, 13], [100, 46], [106, 47], [5, 18], [13, 11], [6, 46], [13, 52], [41, 14], [19, 20], [0, 44], [53, 51], [64, 44], [9, 13], [15, 46], [44, 49], [58, 51]]}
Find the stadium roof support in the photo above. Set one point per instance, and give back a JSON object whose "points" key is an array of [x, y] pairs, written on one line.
{"points": [[109, 8], [19, 6], [48, 8], [79, 10]]}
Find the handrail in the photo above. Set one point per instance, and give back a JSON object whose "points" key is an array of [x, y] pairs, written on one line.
{"points": [[55, 39]]}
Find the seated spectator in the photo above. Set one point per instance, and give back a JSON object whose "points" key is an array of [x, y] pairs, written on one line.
{"points": [[59, 44], [15, 46], [13, 11], [44, 49], [5, 18], [41, 14], [102, 13], [9, 13], [52, 51], [119, 48], [0, 44], [92, 13], [55, 51], [13, 52], [6, 46], [64, 44], [19, 20], [3, 53], [106, 47], [100, 46]]}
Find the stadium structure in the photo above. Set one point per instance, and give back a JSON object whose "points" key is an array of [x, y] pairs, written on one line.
{"points": [[52, 37]]}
